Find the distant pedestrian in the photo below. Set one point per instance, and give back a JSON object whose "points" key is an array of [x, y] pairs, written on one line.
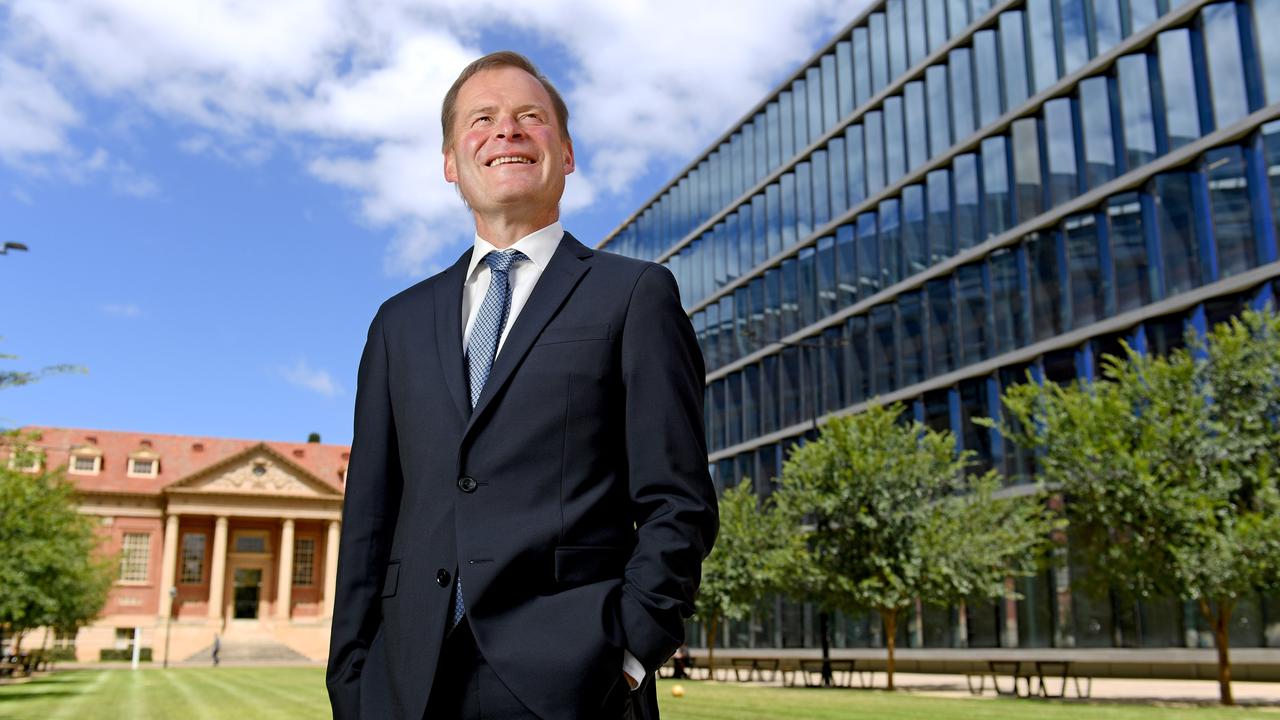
{"points": [[217, 647]]}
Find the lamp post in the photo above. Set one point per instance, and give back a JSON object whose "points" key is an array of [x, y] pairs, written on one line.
{"points": [[4, 250], [168, 624]]}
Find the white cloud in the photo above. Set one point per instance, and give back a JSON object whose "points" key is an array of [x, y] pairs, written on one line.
{"points": [[123, 177], [317, 381], [122, 310], [354, 87], [22, 196], [34, 113]]}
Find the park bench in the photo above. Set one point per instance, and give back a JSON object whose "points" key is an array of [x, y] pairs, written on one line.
{"points": [[756, 666], [1030, 678], [842, 673], [1061, 671], [22, 664], [691, 669]]}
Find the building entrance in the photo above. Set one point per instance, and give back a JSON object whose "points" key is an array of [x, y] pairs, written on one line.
{"points": [[248, 588]]}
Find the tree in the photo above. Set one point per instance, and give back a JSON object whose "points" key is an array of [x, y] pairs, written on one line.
{"points": [[890, 514], [1169, 469], [754, 547], [50, 570], [17, 378]]}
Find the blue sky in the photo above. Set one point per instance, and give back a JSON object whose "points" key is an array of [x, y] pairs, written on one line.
{"points": [[218, 195]]}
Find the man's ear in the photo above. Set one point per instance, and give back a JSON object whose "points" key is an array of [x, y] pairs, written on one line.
{"points": [[450, 166], [568, 157]]}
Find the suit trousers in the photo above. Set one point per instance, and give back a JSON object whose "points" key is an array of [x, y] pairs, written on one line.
{"points": [[467, 688]]}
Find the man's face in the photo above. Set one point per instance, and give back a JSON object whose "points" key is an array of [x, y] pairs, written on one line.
{"points": [[506, 153]]}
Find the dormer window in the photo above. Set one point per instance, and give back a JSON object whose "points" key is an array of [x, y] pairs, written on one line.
{"points": [[85, 460], [26, 461], [144, 463]]}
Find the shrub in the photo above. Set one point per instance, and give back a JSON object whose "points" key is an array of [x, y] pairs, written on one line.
{"points": [[124, 654]]}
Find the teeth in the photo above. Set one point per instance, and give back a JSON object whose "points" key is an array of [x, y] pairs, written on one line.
{"points": [[509, 159]]}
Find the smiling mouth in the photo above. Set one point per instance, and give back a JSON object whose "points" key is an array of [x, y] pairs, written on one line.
{"points": [[508, 160]]}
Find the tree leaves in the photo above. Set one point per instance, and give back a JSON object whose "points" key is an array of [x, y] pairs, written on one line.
{"points": [[50, 569], [893, 515]]}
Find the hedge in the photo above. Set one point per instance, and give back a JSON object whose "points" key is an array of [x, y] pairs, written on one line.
{"points": [[124, 654]]}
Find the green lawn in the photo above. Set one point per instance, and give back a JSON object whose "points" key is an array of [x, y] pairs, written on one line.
{"points": [[240, 693]]}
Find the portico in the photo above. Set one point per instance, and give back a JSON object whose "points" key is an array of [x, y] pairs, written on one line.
{"points": [[271, 559]]}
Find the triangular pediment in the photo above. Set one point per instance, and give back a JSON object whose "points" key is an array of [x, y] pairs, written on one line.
{"points": [[258, 470]]}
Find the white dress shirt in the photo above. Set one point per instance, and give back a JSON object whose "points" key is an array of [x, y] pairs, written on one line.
{"points": [[538, 246]]}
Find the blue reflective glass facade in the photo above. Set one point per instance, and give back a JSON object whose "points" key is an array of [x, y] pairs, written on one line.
{"points": [[958, 195]]}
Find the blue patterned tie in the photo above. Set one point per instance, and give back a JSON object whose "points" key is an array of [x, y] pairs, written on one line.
{"points": [[482, 346]]}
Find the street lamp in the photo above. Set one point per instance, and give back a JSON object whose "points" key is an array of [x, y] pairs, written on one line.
{"points": [[12, 246], [168, 624]]}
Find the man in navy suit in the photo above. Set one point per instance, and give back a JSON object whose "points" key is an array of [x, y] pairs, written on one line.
{"points": [[527, 502]]}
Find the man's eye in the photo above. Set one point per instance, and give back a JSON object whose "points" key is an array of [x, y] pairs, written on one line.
{"points": [[529, 115], [481, 120]]}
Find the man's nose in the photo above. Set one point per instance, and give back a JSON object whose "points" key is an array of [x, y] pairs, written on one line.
{"points": [[508, 128]]}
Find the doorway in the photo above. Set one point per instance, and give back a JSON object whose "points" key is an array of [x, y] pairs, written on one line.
{"points": [[248, 589]]}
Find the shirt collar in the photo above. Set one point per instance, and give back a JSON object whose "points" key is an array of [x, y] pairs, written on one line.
{"points": [[538, 246]]}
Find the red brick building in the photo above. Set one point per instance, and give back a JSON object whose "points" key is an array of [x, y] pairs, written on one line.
{"points": [[235, 537]]}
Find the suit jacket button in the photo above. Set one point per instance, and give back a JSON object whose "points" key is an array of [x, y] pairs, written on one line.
{"points": [[442, 577], [467, 484]]}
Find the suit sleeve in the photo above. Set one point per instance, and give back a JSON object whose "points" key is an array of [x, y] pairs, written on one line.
{"points": [[672, 498], [368, 515]]}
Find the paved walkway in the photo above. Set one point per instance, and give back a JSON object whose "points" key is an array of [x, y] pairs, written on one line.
{"points": [[1147, 692]]}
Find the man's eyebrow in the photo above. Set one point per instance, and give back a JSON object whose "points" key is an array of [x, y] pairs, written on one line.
{"points": [[492, 109], [486, 110]]}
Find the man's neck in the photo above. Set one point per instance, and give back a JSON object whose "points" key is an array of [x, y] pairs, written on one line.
{"points": [[503, 231]]}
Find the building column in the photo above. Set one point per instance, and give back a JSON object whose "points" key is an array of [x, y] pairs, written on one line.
{"points": [[169, 568], [284, 581], [330, 568], [218, 573]]}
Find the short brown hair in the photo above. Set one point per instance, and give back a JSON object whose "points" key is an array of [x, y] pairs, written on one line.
{"points": [[502, 58]]}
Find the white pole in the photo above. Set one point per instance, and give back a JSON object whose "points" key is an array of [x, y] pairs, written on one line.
{"points": [[137, 646]]}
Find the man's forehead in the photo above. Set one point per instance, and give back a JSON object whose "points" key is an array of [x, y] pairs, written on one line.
{"points": [[490, 85]]}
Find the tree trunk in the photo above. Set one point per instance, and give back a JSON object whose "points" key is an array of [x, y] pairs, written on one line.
{"points": [[1220, 621], [711, 647], [824, 627], [890, 617]]}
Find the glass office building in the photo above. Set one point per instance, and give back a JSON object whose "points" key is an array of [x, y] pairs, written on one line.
{"points": [[952, 194]]}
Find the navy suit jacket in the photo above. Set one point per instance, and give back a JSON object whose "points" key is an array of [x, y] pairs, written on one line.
{"points": [[574, 499]]}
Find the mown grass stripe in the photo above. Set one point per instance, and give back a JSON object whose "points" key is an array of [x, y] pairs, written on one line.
{"points": [[194, 704], [238, 697], [68, 707], [278, 693], [256, 682]]}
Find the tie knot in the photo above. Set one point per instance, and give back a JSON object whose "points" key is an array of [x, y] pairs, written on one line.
{"points": [[500, 261]]}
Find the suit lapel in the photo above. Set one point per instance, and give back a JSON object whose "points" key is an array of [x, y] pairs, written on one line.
{"points": [[558, 280], [449, 332]]}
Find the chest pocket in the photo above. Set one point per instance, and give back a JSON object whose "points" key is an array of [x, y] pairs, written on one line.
{"points": [[558, 335]]}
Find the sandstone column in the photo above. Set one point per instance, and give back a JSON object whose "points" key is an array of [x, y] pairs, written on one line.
{"points": [[330, 568], [284, 581], [218, 573], [168, 569]]}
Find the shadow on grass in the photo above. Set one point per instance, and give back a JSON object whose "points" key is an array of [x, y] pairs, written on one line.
{"points": [[37, 694]]}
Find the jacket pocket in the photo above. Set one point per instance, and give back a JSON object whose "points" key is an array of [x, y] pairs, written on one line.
{"points": [[587, 564], [391, 580], [554, 335]]}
